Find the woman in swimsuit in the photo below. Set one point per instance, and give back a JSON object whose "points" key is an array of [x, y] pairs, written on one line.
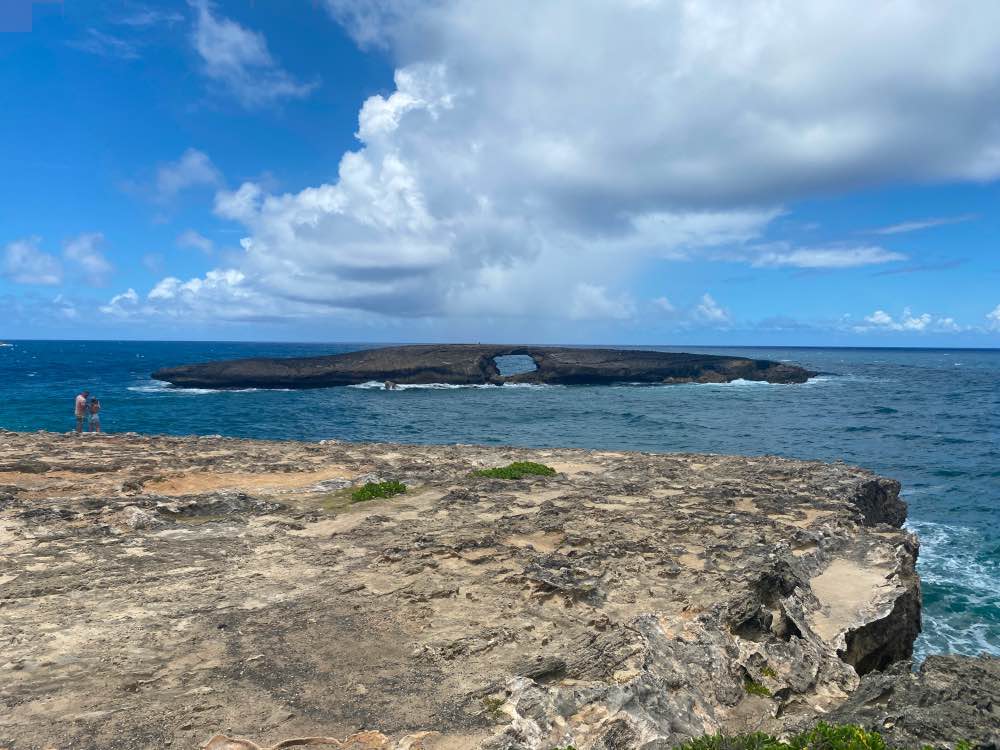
{"points": [[95, 415]]}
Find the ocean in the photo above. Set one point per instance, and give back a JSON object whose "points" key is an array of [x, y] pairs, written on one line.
{"points": [[929, 418]]}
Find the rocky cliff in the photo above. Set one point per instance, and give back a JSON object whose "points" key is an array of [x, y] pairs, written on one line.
{"points": [[159, 592], [465, 364]]}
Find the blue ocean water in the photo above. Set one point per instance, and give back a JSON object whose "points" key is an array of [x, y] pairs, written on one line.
{"points": [[930, 418]]}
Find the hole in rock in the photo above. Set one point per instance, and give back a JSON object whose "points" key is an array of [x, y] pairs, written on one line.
{"points": [[514, 364]]}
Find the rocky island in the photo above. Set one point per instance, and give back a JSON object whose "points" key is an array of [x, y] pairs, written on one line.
{"points": [[230, 594], [474, 364]]}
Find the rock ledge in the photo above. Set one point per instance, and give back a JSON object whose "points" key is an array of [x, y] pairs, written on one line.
{"points": [[160, 591]]}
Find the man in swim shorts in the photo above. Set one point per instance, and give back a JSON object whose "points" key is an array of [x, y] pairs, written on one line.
{"points": [[81, 410]]}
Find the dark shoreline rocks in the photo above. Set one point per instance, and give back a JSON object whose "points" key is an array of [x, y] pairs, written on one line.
{"points": [[473, 364]]}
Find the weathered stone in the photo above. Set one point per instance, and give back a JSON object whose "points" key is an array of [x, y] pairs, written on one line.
{"points": [[625, 602], [464, 364], [138, 519], [950, 698]]}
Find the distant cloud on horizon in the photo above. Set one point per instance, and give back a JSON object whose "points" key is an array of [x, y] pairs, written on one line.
{"points": [[920, 224]]}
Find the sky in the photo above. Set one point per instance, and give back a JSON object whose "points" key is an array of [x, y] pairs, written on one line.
{"points": [[768, 172]]}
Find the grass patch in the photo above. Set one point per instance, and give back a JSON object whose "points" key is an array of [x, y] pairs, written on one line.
{"points": [[821, 737], [768, 672], [492, 706], [374, 490], [516, 470], [755, 688]]}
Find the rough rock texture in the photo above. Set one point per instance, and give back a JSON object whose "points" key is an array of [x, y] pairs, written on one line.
{"points": [[949, 697], [157, 592], [464, 364]]}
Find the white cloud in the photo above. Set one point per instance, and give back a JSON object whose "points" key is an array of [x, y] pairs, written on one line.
{"points": [[826, 257], [592, 302], [919, 224], [908, 321], [762, 101], [239, 60], [189, 238], [64, 308], [193, 169], [85, 261], [143, 17], [239, 205], [993, 319], [516, 164], [664, 306], [99, 43], [122, 305], [709, 311], [23, 262]]}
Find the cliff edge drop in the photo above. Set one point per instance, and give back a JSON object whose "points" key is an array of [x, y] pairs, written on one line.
{"points": [[474, 364], [157, 592]]}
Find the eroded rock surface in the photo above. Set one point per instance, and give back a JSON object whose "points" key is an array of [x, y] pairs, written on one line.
{"points": [[158, 591], [948, 698], [467, 364]]}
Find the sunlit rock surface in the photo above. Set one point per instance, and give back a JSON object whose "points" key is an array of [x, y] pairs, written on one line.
{"points": [[158, 592]]}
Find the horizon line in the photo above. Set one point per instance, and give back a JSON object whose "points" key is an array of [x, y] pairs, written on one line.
{"points": [[453, 343]]}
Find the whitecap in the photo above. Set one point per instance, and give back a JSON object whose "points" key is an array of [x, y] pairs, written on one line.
{"points": [[378, 385], [159, 386]]}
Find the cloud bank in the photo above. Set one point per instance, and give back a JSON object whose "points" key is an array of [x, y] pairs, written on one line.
{"points": [[533, 168]]}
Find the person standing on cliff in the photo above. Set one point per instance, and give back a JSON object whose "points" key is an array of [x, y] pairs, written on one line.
{"points": [[81, 410], [95, 415]]}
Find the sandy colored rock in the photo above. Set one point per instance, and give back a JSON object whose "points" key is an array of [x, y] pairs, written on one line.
{"points": [[185, 588]]}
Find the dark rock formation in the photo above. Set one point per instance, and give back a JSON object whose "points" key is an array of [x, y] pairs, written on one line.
{"points": [[951, 698], [469, 364]]}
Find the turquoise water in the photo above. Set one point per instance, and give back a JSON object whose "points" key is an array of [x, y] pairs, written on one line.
{"points": [[930, 418]]}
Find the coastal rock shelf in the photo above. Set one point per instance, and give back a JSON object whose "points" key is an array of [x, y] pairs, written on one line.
{"points": [[473, 364], [157, 592]]}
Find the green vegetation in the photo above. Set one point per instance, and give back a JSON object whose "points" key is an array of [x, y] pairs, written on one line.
{"points": [[768, 672], [373, 490], [492, 708], [821, 737], [517, 470], [755, 688]]}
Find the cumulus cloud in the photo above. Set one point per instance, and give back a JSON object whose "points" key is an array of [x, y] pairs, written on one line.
{"points": [[616, 134], [85, 261], [193, 169], [189, 238], [664, 306], [993, 319], [766, 100], [709, 311], [64, 308], [239, 60], [23, 262], [122, 305], [908, 321]]}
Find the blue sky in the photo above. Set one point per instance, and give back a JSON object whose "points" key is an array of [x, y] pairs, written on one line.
{"points": [[654, 172]]}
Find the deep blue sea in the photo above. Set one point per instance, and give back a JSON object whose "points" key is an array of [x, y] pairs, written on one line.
{"points": [[930, 418]]}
